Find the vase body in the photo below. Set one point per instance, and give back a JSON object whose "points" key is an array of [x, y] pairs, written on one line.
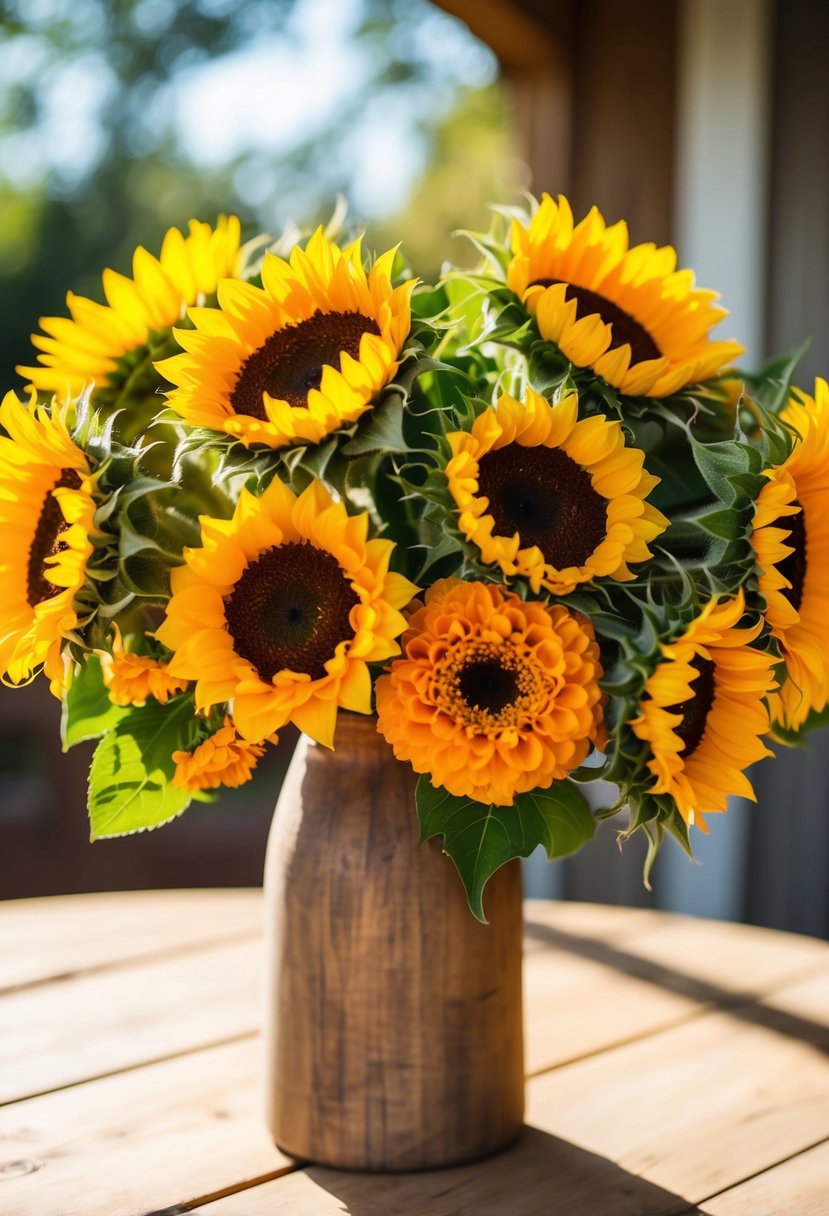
{"points": [[393, 1019]]}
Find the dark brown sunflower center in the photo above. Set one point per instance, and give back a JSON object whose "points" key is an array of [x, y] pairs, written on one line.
{"points": [[47, 541], [548, 499], [626, 329], [485, 684], [696, 709], [289, 610], [793, 566], [289, 363]]}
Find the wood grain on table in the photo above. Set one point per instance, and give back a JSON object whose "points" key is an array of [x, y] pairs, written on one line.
{"points": [[674, 1066]]}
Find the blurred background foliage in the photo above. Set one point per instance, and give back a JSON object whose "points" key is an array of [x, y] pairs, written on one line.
{"points": [[121, 118]]}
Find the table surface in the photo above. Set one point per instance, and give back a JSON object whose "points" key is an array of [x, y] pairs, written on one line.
{"points": [[674, 1066]]}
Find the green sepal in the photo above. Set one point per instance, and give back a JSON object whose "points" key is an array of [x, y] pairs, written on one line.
{"points": [[130, 780], [724, 523], [480, 839], [772, 385], [383, 432], [87, 712], [721, 463]]}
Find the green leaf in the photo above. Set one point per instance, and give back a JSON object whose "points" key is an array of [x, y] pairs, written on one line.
{"points": [[720, 463], [480, 839], [772, 384], [130, 786], [87, 711], [723, 523], [383, 430]]}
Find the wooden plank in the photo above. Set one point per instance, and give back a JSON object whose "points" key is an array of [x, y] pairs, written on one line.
{"points": [[591, 986], [70, 1031], [693, 954], [583, 996], [574, 1007], [799, 1187], [538, 1174], [47, 938], [103, 1021], [701, 1107], [523, 41], [161, 1136], [585, 920], [686, 1113], [689, 951], [690, 1089]]}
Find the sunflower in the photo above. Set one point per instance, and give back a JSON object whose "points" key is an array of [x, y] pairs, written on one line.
{"points": [[493, 696], [790, 537], [281, 610], [90, 345], [131, 678], [628, 314], [297, 358], [549, 498], [703, 711], [46, 521], [221, 759]]}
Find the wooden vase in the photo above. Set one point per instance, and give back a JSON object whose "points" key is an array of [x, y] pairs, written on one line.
{"points": [[393, 1024]]}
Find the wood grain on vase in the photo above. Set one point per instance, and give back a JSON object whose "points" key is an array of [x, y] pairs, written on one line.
{"points": [[393, 1021]]}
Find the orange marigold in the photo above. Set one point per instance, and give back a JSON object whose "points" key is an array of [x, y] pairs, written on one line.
{"points": [[223, 759], [131, 678], [494, 696]]}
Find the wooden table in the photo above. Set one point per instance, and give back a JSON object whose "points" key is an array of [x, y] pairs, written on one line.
{"points": [[674, 1066]]}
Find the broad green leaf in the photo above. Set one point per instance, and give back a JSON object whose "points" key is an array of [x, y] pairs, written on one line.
{"points": [[480, 839], [87, 711], [130, 786]]}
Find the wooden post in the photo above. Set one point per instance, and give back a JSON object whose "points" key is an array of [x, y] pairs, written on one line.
{"points": [[393, 1022]]}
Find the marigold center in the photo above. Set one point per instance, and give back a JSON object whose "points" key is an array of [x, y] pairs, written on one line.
{"points": [[489, 686], [485, 684]]}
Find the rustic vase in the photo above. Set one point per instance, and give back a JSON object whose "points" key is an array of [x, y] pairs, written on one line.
{"points": [[393, 1023]]}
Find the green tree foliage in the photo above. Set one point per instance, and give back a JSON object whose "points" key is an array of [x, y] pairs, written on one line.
{"points": [[70, 210]]}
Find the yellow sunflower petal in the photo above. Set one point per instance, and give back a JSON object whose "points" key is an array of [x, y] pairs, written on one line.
{"points": [[790, 537], [297, 359], [85, 349], [704, 713], [627, 313], [281, 608], [46, 521], [550, 498]]}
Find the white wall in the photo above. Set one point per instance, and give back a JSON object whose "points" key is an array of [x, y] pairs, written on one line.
{"points": [[723, 150]]}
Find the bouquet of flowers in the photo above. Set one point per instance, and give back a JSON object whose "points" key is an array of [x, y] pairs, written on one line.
{"points": [[532, 518]]}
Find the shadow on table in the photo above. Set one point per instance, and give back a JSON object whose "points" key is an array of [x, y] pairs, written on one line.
{"points": [[736, 1002], [539, 1175]]}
